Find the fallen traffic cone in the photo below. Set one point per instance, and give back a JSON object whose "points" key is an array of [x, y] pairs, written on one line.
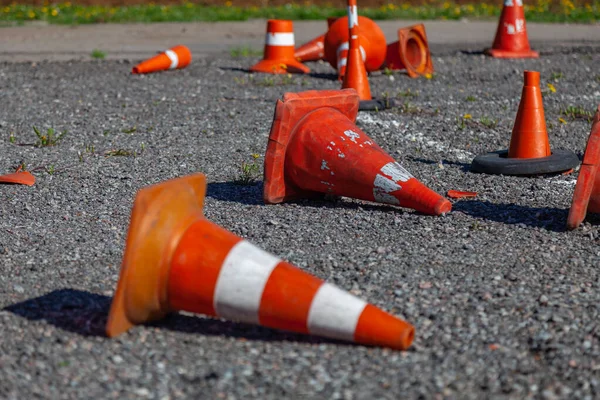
{"points": [[586, 197], [175, 259], [175, 58], [511, 36], [529, 151], [372, 44], [315, 148], [279, 50], [355, 76], [315, 49], [410, 52], [20, 177]]}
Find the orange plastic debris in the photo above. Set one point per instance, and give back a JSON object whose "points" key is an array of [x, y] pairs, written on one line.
{"points": [[511, 39], [175, 58], [20, 177], [457, 194], [278, 56]]}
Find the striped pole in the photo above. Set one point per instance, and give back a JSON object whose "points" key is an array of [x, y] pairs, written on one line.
{"points": [[355, 74]]}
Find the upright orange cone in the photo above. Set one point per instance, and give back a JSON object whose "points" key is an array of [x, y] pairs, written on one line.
{"points": [[586, 197], [315, 148], [175, 259], [315, 49], [372, 44], [511, 37], [529, 151], [356, 73], [410, 52], [279, 50], [175, 58]]}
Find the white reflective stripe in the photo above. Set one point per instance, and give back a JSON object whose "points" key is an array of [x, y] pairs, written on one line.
{"points": [[345, 46], [384, 185], [352, 16], [510, 3], [334, 313], [241, 282], [173, 57], [341, 62], [280, 39]]}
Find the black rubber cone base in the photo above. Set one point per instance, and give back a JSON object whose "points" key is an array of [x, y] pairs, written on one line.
{"points": [[497, 163], [374, 105]]}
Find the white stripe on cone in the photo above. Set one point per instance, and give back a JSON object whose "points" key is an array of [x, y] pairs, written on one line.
{"points": [[280, 39], [173, 57], [352, 16], [342, 59]]}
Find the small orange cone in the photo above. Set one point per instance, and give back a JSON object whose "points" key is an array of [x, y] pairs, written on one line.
{"points": [[315, 49], [175, 58], [410, 52], [279, 50], [586, 197], [20, 177], [372, 44], [315, 148], [175, 259], [355, 76], [511, 37], [529, 151]]}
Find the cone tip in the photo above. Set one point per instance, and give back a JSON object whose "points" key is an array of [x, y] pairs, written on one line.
{"points": [[135, 70], [532, 78], [443, 206]]}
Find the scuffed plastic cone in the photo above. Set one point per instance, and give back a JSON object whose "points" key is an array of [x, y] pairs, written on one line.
{"points": [[315, 148], [278, 56], [511, 39], [410, 52], [313, 50], [356, 74], [175, 259], [175, 58]]}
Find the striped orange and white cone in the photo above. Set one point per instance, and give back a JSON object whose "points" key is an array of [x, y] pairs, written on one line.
{"points": [[175, 259], [175, 58], [315, 49], [511, 39], [278, 56], [355, 76]]}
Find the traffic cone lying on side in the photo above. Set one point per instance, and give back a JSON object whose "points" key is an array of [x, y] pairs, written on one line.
{"points": [[315, 148], [410, 52], [315, 49], [529, 151], [511, 36], [175, 58], [586, 197], [175, 259], [355, 76], [372, 44], [278, 56]]}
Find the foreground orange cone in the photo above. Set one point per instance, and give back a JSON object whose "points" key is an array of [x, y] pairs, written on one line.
{"points": [[511, 37], [175, 259], [355, 76], [279, 50], [315, 49], [586, 197], [410, 52], [315, 148], [372, 44], [175, 58], [529, 151]]}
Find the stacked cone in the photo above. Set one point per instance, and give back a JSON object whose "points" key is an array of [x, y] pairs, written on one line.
{"points": [[511, 39], [355, 76], [313, 50], [175, 58], [586, 197], [175, 259], [410, 52], [315, 149], [278, 56]]}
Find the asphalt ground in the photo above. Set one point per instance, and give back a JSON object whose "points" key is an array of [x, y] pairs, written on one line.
{"points": [[505, 301]]}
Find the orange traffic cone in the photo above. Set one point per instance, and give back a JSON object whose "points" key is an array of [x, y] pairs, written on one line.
{"points": [[279, 50], [410, 52], [529, 151], [355, 76], [175, 259], [315, 148], [315, 49], [175, 58], [372, 44], [511, 36], [586, 197]]}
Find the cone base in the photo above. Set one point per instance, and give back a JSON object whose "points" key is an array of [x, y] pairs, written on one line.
{"points": [[161, 214], [497, 163], [512, 54], [280, 67]]}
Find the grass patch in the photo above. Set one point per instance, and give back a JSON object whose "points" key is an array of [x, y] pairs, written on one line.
{"points": [[577, 113], [244, 51], [68, 13], [50, 138], [98, 54]]}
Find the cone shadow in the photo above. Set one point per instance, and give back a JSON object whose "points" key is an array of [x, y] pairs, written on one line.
{"points": [[250, 194], [466, 167]]}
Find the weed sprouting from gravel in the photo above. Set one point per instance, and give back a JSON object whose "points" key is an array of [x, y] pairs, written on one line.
{"points": [[471, 98], [408, 93], [11, 137], [556, 76], [98, 54], [488, 122], [577, 112], [48, 139], [244, 51], [249, 171]]}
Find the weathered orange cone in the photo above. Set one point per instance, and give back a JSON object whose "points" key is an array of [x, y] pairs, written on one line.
{"points": [[529, 151], [372, 44], [175, 58], [586, 197], [315, 148], [410, 52], [355, 76], [278, 56], [315, 49], [175, 259], [511, 37], [20, 177]]}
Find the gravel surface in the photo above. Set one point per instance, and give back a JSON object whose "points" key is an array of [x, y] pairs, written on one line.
{"points": [[506, 303]]}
